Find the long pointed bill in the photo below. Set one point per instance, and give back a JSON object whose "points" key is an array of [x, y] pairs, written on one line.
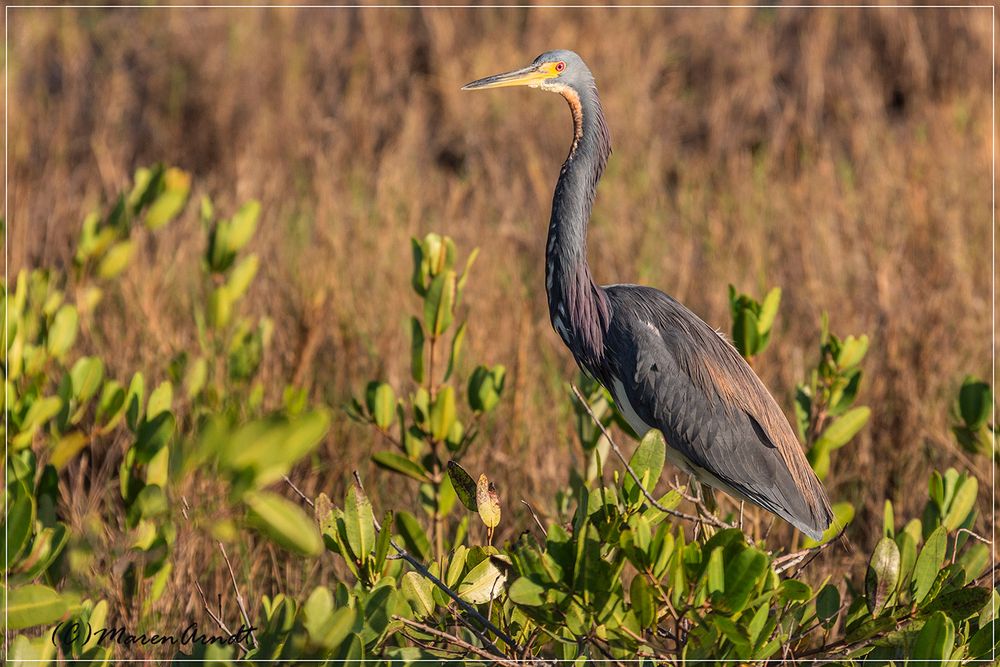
{"points": [[529, 76]]}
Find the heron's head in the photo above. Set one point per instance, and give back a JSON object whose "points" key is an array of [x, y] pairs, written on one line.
{"points": [[557, 71]]}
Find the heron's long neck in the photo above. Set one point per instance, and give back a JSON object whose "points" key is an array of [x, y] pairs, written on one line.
{"points": [[575, 303]]}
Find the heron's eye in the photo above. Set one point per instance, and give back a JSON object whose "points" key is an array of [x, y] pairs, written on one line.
{"points": [[560, 66]]}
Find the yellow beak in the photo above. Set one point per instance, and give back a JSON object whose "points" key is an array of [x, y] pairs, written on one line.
{"points": [[528, 76]]}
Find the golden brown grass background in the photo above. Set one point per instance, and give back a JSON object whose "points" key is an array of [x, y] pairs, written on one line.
{"points": [[843, 155]]}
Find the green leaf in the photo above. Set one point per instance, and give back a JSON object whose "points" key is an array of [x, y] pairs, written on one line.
{"points": [[647, 462], [220, 307], [443, 413], [360, 522], [768, 311], [45, 548], [62, 333], [160, 400], [907, 558], [41, 411], [413, 536], [961, 603], [465, 487], [935, 640], [316, 611], [483, 582], [929, 563], [37, 651], [456, 350], [416, 350], [296, 439], [241, 276], [115, 260], [420, 269], [974, 560], [985, 644], [882, 575], [793, 590], [67, 447], [171, 201], [32, 605], [133, 401], [329, 629], [962, 503], [383, 541], [843, 428], [888, 520], [243, 225], [86, 375], [743, 573], [526, 592], [975, 401], [456, 565], [485, 387], [438, 304], [852, 351], [843, 514], [745, 333], [400, 464], [17, 528], [714, 575], [382, 404], [642, 601], [283, 522], [419, 593], [828, 605], [111, 406]]}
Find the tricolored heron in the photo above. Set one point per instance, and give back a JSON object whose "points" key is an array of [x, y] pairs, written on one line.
{"points": [[664, 366]]}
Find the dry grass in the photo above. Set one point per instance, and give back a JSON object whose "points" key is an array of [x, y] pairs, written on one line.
{"points": [[841, 154]]}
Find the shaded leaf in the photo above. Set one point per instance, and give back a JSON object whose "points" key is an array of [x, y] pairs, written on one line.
{"points": [[418, 592], [465, 487], [882, 575], [935, 640], [400, 464], [413, 535]]}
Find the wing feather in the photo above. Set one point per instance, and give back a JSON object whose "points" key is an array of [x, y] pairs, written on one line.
{"points": [[685, 379]]}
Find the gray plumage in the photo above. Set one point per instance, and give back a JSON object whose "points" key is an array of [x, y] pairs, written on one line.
{"points": [[665, 367]]}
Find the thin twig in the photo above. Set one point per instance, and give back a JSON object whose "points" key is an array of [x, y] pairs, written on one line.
{"points": [[301, 495], [457, 641], [472, 628], [709, 519], [975, 536], [534, 516], [218, 621], [986, 574], [643, 640], [608, 657], [788, 561], [239, 596]]}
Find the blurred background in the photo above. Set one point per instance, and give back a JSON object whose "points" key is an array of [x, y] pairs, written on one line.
{"points": [[843, 155]]}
